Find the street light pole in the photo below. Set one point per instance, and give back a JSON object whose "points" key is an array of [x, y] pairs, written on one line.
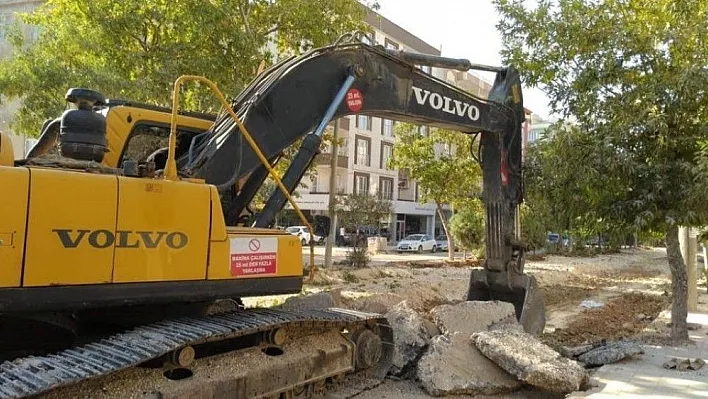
{"points": [[334, 156]]}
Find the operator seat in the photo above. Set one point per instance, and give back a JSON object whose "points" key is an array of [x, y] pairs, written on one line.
{"points": [[159, 156]]}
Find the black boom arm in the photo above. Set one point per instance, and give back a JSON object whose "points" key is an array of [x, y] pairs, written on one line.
{"points": [[290, 100]]}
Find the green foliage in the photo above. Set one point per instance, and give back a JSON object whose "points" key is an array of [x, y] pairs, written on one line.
{"points": [[136, 49], [441, 164], [358, 256], [635, 85], [570, 188], [633, 75], [361, 210], [467, 225], [533, 228]]}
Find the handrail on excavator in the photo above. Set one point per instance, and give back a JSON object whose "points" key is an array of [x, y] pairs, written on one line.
{"points": [[171, 165]]}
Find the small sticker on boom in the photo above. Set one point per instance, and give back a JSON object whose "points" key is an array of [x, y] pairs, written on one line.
{"points": [[355, 100], [254, 256]]}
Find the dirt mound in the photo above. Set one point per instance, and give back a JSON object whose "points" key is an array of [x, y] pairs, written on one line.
{"points": [[621, 318], [557, 294]]}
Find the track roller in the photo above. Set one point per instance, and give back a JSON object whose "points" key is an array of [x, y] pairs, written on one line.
{"points": [[181, 357]]}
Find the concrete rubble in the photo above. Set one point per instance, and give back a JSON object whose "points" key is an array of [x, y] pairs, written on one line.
{"points": [[610, 353], [452, 365], [411, 337], [684, 364], [531, 361], [474, 316]]}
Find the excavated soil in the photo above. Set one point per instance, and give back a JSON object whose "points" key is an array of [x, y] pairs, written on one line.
{"points": [[622, 317]]}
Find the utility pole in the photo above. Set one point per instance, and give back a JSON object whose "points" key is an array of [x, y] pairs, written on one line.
{"points": [[334, 157]]}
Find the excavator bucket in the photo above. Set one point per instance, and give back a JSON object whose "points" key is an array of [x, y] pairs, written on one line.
{"points": [[519, 289]]}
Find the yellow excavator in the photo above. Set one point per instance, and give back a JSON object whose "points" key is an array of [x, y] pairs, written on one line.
{"points": [[126, 222]]}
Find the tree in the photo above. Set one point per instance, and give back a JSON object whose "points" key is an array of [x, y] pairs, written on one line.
{"points": [[569, 187], [441, 164], [633, 75], [136, 49], [467, 225], [357, 210]]}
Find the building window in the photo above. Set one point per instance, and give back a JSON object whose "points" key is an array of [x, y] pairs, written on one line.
{"points": [[361, 183], [363, 122], [387, 127], [386, 154], [391, 44], [340, 184], [363, 151], [343, 147], [386, 188], [313, 185]]}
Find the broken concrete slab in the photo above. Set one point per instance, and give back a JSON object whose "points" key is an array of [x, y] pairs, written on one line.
{"points": [[452, 365], [572, 352], [533, 362], [610, 353], [410, 338], [473, 316], [320, 300]]}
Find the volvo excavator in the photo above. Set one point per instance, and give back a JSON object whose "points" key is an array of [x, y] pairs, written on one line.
{"points": [[126, 223]]}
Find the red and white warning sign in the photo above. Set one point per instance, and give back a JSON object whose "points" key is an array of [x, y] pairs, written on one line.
{"points": [[251, 256], [355, 100]]}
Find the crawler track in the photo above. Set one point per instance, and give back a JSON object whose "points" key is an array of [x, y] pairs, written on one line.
{"points": [[34, 375]]}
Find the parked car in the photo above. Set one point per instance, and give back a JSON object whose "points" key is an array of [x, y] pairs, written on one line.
{"points": [[442, 243], [417, 243], [304, 233]]}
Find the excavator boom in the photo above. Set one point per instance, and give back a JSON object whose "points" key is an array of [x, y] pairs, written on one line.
{"points": [[292, 98]]}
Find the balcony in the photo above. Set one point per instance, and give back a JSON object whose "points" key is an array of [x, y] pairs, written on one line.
{"points": [[325, 159]]}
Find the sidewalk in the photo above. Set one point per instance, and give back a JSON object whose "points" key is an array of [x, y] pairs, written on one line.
{"points": [[644, 376]]}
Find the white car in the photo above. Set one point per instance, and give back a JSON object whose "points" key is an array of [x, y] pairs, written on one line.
{"points": [[417, 243], [304, 233]]}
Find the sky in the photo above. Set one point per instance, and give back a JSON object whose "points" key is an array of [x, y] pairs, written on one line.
{"points": [[461, 29]]}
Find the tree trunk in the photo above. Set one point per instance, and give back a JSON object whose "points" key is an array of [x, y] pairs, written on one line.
{"points": [[450, 243], [679, 280]]}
